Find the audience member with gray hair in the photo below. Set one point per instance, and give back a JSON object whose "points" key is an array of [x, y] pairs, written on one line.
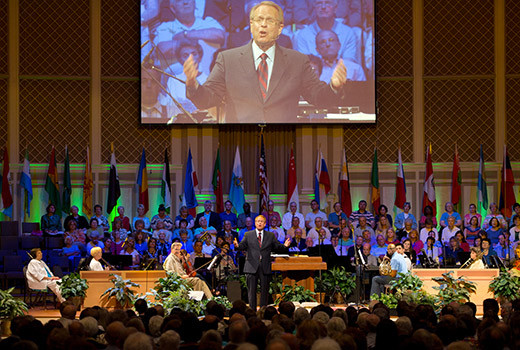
{"points": [[325, 344], [169, 340], [138, 341], [301, 314]]}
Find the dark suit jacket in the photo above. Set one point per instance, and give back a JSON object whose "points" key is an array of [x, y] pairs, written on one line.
{"points": [[256, 256], [235, 81], [214, 220], [300, 246]]}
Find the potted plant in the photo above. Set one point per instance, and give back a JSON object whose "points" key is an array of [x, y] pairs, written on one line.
{"points": [[453, 289], [339, 283], [505, 286], [295, 294], [121, 292], [10, 307], [73, 288], [171, 283]]}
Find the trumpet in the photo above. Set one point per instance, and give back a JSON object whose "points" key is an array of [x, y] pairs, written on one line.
{"points": [[467, 263]]}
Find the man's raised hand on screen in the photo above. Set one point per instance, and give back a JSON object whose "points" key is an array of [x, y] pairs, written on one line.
{"points": [[191, 71], [339, 76]]}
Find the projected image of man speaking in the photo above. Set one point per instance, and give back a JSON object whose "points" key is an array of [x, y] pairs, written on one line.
{"points": [[261, 82]]}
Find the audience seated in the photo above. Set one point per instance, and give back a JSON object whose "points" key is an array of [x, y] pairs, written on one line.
{"points": [[81, 221], [287, 220], [162, 216], [228, 215], [400, 219], [141, 216], [50, 223], [310, 218], [486, 223], [102, 220], [362, 212]]}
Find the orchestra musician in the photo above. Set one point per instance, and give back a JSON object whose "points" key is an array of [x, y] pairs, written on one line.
{"points": [[397, 265], [95, 264], [176, 262], [475, 259]]}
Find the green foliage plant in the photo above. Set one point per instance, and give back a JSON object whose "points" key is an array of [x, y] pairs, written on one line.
{"points": [[453, 289], [72, 285], [122, 291], [505, 286], [10, 306], [337, 278]]}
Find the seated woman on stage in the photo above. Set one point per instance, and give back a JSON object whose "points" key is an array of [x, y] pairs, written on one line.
{"points": [[487, 251], [81, 221], [125, 220], [151, 252], [141, 242], [450, 212], [345, 239], [167, 233], [514, 231], [174, 263], [494, 230], [476, 257], [117, 227], [187, 243], [142, 217], [431, 250], [417, 244], [382, 226], [95, 264], [70, 250], [409, 251], [427, 214], [162, 216], [117, 243], [462, 241], [184, 215], [77, 236], [472, 213], [94, 227], [95, 242], [130, 250], [427, 228], [383, 212], [452, 252], [40, 277], [51, 222], [108, 246], [391, 238], [471, 231]]}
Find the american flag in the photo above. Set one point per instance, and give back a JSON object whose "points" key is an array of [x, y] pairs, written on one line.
{"points": [[264, 182]]}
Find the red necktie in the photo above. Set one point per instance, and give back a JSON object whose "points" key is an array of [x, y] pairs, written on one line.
{"points": [[262, 74], [260, 239]]}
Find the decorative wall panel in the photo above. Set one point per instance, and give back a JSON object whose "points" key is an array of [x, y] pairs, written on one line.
{"points": [[3, 36], [120, 38], [120, 125], [54, 37], [460, 112], [512, 37], [513, 118], [394, 39], [459, 37], [54, 112]]}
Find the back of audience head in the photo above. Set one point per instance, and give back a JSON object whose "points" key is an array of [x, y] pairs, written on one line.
{"points": [[138, 341], [325, 344], [169, 340], [90, 325], [336, 325], [286, 308], [301, 314]]}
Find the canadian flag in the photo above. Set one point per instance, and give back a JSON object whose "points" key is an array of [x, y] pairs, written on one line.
{"points": [[429, 184], [292, 184]]}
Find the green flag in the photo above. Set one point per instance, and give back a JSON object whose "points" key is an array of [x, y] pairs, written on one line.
{"points": [[51, 183]]}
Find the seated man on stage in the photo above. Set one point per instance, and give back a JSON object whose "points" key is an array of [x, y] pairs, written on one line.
{"points": [[39, 276], [174, 263], [397, 265]]}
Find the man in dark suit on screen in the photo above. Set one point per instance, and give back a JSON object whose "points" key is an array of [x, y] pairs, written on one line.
{"points": [[259, 243], [262, 81]]}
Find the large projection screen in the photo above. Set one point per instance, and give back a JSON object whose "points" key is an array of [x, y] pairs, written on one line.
{"points": [[324, 30]]}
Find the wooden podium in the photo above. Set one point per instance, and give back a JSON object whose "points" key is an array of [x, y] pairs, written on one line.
{"points": [[299, 270], [99, 281]]}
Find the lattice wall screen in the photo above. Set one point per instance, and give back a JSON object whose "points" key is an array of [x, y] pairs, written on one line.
{"points": [[513, 118], [394, 38], [463, 112], [54, 37], [394, 126], [458, 37], [120, 125], [512, 37], [3, 37], [3, 113], [54, 112], [120, 38]]}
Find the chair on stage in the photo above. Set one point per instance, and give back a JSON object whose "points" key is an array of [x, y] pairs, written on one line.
{"points": [[30, 227], [39, 295], [12, 271], [9, 228]]}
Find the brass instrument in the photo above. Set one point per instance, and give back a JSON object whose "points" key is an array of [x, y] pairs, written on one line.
{"points": [[385, 269], [467, 264]]}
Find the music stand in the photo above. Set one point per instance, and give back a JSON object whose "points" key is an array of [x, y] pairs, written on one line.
{"points": [[120, 261]]}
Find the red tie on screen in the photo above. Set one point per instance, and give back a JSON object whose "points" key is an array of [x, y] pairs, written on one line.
{"points": [[262, 74], [260, 238]]}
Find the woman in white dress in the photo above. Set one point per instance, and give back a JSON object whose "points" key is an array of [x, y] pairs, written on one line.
{"points": [[97, 254]]}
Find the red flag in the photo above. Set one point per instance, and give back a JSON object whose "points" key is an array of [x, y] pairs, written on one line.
{"points": [[344, 187], [374, 180], [400, 184], [262, 176], [429, 184], [217, 185], [292, 183], [456, 179], [507, 194]]}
